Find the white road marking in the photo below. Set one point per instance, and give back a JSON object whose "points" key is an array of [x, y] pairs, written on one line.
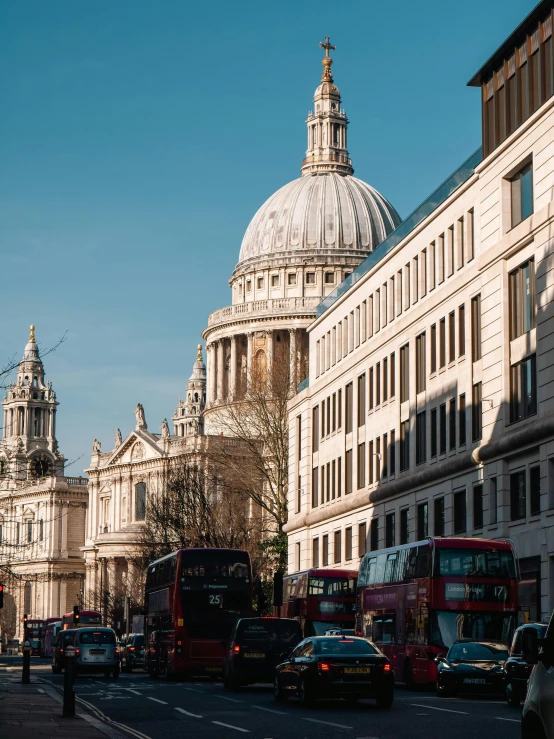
{"points": [[40, 690], [436, 708], [193, 690], [130, 690], [327, 723], [187, 713], [230, 726], [270, 710], [501, 718], [232, 700], [156, 700]]}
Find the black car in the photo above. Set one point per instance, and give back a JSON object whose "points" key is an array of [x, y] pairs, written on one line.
{"points": [[155, 656], [472, 666], [63, 639], [517, 670], [132, 653], [335, 667], [257, 646]]}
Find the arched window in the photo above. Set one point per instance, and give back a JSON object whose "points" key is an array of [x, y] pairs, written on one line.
{"points": [[140, 501], [196, 397]]}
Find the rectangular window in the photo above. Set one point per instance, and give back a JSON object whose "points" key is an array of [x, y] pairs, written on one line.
{"points": [[432, 266], [371, 389], [392, 375], [421, 437], [407, 284], [523, 391], [333, 479], [385, 465], [374, 534], [476, 413], [371, 463], [362, 539], [325, 548], [322, 485], [423, 273], [339, 410], [338, 547], [29, 532], [297, 555], [535, 491], [522, 299], [363, 321], [478, 507], [315, 552], [390, 526], [348, 472], [439, 516], [422, 521], [378, 383], [399, 293], [476, 328], [404, 526], [348, 544], [452, 336], [370, 317], [315, 487], [315, 429], [339, 477], [521, 191], [440, 255], [460, 242], [518, 502], [415, 280], [421, 370], [450, 251], [460, 521], [323, 419], [299, 437], [404, 373], [328, 482], [434, 431], [404, 445], [361, 400], [385, 378], [452, 429], [461, 330], [334, 412], [361, 465], [433, 348], [393, 452], [493, 501], [377, 458], [442, 343], [462, 420], [442, 428], [299, 494], [348, 393], [328, 415], [377, 310]]}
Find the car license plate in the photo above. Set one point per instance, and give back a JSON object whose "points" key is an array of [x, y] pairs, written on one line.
{"points": [[254, 655], [357, 670], [474, 680], [213, 669], [98, 651]]}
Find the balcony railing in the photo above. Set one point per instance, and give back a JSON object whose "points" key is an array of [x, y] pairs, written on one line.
{"points": [[272, 307]]}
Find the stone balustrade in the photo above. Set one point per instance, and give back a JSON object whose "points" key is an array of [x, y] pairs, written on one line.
{"points": [[271, 306]]}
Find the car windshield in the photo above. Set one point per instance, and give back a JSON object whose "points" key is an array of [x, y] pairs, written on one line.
{"points": [[475, 563], [332, 586], [277, 633], [67, 637], [475, 652], [446, 627], [138, 642], [102, 636], [336, 646]]}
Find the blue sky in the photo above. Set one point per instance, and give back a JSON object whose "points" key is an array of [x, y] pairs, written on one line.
{"points": [[138, 139]]}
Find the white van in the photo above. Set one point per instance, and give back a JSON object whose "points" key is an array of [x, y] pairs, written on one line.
{"points": [[96, 650]]}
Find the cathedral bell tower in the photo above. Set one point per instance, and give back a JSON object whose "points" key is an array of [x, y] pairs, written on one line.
{"points": [[188, 419], [29, 448]]}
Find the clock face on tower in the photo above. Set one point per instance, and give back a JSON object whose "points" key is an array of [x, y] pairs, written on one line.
{"points": [[41, 466]]}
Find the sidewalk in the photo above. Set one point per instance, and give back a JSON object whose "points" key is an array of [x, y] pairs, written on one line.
{"points": [[35, 711]]}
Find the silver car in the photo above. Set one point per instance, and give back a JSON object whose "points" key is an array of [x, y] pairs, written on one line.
{"points": [[96, 650], [538, 711]]}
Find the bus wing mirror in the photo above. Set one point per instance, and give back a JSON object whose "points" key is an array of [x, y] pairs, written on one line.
{"points": [[530, 646]]}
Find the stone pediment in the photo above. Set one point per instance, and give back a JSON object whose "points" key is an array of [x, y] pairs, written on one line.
{"points": [[139, 446]]}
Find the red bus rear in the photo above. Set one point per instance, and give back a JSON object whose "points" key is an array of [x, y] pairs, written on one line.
{"points": [[193, 599], [86, 618], [34, 633], [320, 599], [415, 600]]}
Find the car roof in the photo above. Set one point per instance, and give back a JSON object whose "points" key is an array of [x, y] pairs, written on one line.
{"points": [[493, 644], [347, 637], [537, 625], [267, 619]]}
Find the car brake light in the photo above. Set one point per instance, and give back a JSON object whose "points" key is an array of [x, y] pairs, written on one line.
{"points": [[131, 649], [77, 651], [346, 641], [236, 649], [387, 667], [61, 651], [179, 643], [324, 666]]}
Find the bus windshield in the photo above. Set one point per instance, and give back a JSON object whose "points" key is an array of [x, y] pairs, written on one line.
{"points": [[331, 587], [213, 615], [446, 627], [236, 570], [475, 563]]}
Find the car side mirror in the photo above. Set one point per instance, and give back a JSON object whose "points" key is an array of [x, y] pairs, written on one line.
{"points": [[530, 646], [439, 658]]}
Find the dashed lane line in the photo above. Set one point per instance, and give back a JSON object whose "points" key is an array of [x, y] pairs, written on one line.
{"points": [[226, 698], [157, 700], [188, 713], [436, 708], [327, 723], [501, 718], [270, 710], [230, 726], [194, 690], [130, 690]]}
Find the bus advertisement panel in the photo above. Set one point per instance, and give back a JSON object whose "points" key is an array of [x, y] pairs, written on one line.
{"points": [[86, 618], [192, 601], [415, 600], [320, 599]]}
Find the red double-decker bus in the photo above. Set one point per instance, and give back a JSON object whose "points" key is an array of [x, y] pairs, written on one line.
{"points": [[86, 618], [34, 633], [415, 600], [320, 599], [192, 601]]}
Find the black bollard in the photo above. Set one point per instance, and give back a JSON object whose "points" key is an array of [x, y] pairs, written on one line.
{"points": [[26, 674], [69, 683]]}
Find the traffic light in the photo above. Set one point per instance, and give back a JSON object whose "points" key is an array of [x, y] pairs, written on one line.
{"points": [[24, 623], [76, 616], [1, 595]]}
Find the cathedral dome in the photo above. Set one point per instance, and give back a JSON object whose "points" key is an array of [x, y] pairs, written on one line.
{"points": [[324, 211]]}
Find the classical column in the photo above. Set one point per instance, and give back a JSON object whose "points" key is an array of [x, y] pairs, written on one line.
{"points": [[212, 373], [270, 346], [249, 357], [233, 375], [220, 368], [292, 358]]}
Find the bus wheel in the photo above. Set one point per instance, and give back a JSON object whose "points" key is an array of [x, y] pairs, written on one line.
{"points": [[408, 675]]}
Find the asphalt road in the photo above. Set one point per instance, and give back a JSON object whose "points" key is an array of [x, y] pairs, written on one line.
{"points": [[140, 707]]}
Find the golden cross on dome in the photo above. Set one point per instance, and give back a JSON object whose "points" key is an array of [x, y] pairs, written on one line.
{"points": [[199, 351], [327, 61], [32, 333]]}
